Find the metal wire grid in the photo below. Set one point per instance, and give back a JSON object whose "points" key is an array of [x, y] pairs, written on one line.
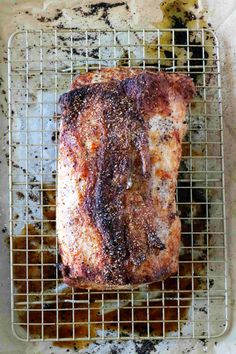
{"points": [[41, 66]]}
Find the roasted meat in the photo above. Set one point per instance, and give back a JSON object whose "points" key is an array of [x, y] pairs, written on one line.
{"points": [[119, 154]]}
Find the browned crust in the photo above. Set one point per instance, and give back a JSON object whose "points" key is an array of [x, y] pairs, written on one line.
{"points": [[149, 89], [154, 269], [112, 116]]}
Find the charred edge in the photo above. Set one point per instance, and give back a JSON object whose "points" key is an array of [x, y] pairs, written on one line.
{"points": [[68, 99]]}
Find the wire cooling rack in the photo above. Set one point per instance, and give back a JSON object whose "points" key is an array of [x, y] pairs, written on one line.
{"points": [[191, 304]]}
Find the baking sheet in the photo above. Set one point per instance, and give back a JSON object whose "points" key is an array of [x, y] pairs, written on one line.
{"points": [[148, 17]]}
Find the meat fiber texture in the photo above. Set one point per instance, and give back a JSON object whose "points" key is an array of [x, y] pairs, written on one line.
{"points": [[119, 154]]}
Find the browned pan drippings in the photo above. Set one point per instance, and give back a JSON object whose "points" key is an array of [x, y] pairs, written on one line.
{"points": [[64, 314]]}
